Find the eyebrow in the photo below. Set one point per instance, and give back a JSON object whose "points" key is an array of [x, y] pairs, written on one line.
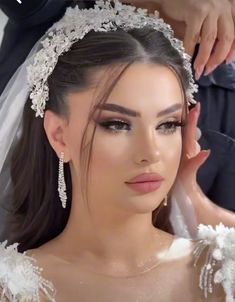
{"points": [[133, 113]]}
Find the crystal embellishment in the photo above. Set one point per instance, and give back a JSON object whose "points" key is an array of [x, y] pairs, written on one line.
{"points": [[75, 24]]}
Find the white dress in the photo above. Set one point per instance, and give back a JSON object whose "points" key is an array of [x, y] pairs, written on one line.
{"points": [[21, 280]]}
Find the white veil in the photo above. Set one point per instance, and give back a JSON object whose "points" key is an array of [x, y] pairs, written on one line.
{"points": [[12, 102]]}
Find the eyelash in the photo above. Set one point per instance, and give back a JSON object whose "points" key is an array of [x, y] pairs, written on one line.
{"points": [[169, 127]]}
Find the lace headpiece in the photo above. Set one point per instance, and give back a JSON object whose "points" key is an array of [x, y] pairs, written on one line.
{"points": [[75, 24]]}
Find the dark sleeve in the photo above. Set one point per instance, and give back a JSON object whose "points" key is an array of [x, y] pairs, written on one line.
{"points": [[27, 24], [223, 189], [31, 12], [216, 176]]}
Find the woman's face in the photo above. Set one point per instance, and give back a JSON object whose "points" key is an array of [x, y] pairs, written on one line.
{"points": [[137, 132]]}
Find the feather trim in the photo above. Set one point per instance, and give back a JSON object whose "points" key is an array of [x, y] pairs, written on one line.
{"points": [[20, 278], [219, 244]]}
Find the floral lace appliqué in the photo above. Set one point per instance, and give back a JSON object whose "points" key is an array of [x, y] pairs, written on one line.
{"points": [[20, 278], [219, 267]]}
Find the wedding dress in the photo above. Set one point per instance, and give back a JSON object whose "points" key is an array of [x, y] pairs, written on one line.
{"points": [[21, 280]]}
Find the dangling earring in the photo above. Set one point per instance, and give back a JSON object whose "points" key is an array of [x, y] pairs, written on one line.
{"points": [[165, 201], [61, 182]]}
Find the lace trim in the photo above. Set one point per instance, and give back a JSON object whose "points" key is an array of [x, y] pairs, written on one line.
{"points": [[220, 245]]}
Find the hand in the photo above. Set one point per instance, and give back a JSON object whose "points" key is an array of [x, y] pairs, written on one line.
{"points": [[209, 22], [186, 192], [231, 55], [192, 157], [190, 195]]}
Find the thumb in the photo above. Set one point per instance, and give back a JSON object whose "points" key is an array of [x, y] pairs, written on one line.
{"points": [[197, 161]]}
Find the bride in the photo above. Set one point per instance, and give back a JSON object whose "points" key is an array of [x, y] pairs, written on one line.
{"points": [[108, 95]]}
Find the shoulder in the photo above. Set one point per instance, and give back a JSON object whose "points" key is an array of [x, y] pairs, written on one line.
{"points": [[20, 276], [187, 280]]}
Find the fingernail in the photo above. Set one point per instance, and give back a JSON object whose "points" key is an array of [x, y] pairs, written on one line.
{"points": [[198, 134], [198, 107], [198, 73], [206, 153], [230, 59], [209, 69]]}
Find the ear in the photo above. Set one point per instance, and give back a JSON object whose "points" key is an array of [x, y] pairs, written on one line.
{"points": [[56, 128]]}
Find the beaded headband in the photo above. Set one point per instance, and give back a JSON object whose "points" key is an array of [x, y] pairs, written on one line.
{"points": [[75, 24]]}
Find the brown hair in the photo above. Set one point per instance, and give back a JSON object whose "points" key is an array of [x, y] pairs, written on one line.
{"points": [[36, 215]]}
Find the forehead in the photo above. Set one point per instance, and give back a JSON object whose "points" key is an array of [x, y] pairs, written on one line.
{"points": [[142, 87], [144, 82]]}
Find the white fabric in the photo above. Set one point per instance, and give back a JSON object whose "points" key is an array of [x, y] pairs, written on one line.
{"points": [[220, 245], [12, 102], [20, 277], [182, 215]]}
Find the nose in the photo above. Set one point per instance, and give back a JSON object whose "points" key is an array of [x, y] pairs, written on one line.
{"points": [[146, 149]]}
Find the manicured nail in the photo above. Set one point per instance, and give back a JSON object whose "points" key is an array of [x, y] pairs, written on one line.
{"points": [[231, 58], [198, 73], [209, 69], [198, 107], [206, 154], [198, 134]]}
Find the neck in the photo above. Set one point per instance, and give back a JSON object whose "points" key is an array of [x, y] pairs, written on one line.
{"points": [[111, 240]]}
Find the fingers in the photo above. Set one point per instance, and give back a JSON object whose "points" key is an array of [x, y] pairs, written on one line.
{"points": [[192, 34], [188, 170], [196, 162], [190, 146], [223, 45], [231, 55], [208, 37], [215, 29]]}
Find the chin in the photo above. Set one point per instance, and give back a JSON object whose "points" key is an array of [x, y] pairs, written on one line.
{"points": [[143, 204]]}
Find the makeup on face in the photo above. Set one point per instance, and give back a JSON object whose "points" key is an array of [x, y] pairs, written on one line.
{"points": [[117, 124], [146, 182]]}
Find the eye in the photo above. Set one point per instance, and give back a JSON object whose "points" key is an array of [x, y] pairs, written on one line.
{"points": [[170, 127], [115, 125]]}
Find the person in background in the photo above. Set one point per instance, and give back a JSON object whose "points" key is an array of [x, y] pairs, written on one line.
{"points": [[216, 121], [210, 20]]}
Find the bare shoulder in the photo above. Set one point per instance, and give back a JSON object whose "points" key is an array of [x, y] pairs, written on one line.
{"points": [[46, 259], [193, 273], [50, 266], [187, 275]]}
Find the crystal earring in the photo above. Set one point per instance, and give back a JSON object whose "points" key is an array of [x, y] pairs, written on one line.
{"points": [[61, 182], [165, 201]]}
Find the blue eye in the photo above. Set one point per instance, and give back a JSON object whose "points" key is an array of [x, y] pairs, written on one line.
{"points": [[170, 127], [115, 125]]}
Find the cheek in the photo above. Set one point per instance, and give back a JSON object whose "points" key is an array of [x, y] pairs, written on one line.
{"points": [[109, 152], [171, 154]]}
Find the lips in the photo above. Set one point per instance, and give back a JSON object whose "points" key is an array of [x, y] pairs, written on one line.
{"points": [[145, 183], [146, 177]]}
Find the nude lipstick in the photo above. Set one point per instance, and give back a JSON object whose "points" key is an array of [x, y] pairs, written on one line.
{"points": [[145, 183]]}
